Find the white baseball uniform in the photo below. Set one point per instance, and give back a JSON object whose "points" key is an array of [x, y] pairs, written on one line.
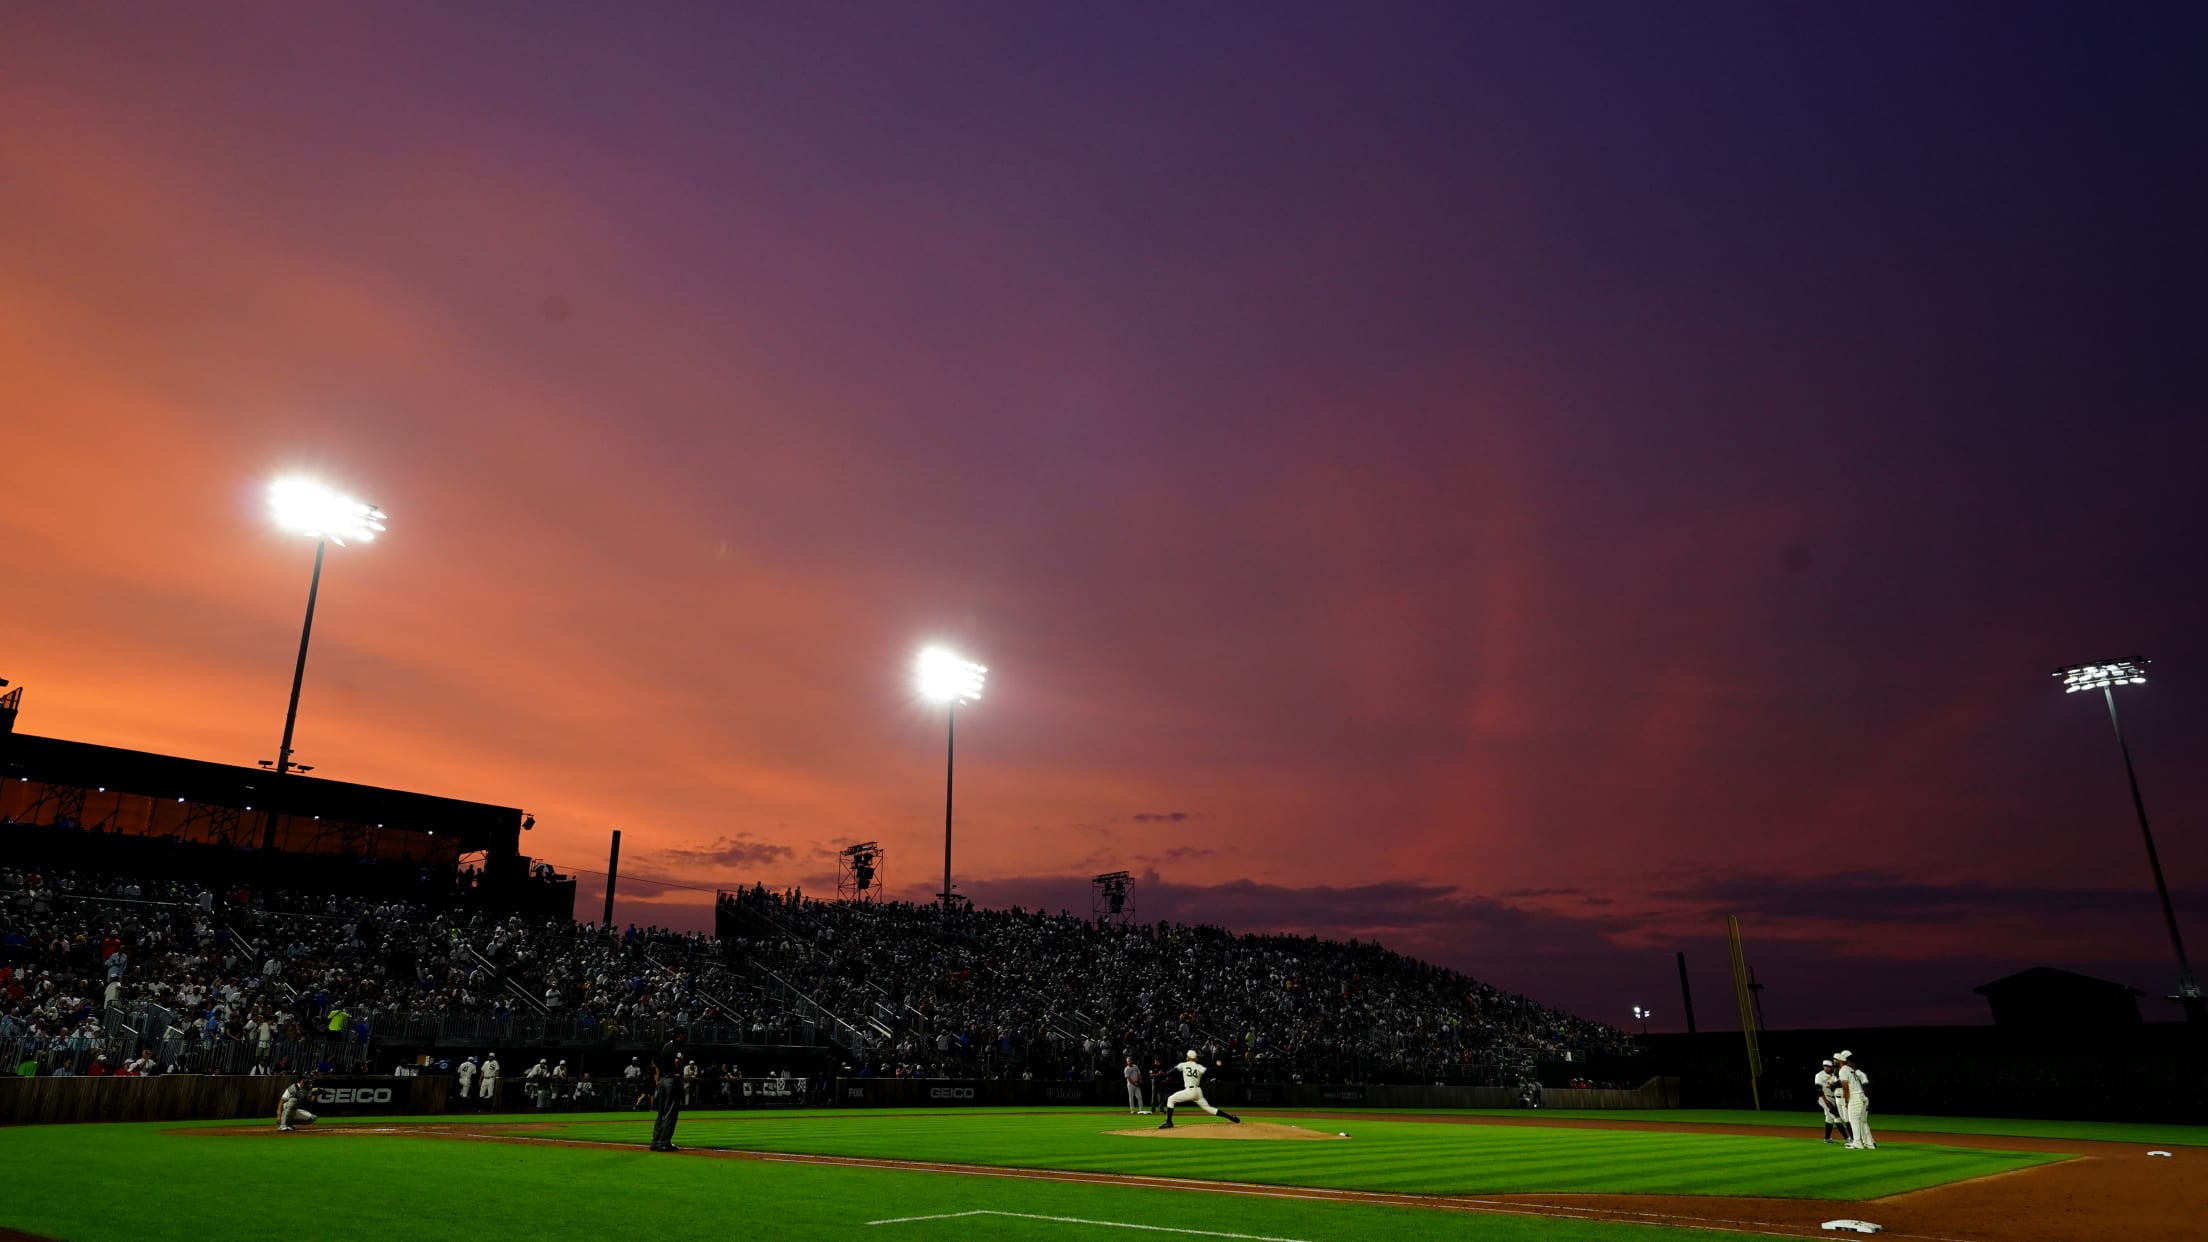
{"points": [[1192, 1088], [1826, 1094], [489, 1090], [467, 1078], [290, 1108], [1133, 1075], [1857, 1084]]}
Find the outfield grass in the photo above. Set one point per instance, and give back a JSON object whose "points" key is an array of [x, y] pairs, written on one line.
{"points": [[149, 1183], [90, 1183]]}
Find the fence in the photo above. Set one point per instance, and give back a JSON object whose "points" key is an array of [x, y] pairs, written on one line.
{"points": [[180, 1097]]}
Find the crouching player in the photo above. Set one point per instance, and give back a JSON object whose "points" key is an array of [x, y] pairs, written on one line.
{"points": [[291, 1108], [1192, 1092]]}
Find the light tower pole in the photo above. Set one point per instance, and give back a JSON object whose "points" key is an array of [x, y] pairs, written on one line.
{"points": [[947, 679], [2105, 678], [304, 507]]}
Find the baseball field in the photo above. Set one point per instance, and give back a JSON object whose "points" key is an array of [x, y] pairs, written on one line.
{"points": [[910, 1176]]}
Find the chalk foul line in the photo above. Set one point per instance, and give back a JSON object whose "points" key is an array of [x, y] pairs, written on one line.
{"points": [[1079, 1220]]}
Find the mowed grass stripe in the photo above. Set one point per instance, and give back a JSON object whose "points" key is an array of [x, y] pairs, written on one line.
{"points": [[1406, 1157], [92, 1185]]}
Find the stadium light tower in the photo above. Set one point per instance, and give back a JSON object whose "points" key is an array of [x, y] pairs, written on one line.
{"points": [[304, 507], [945, 678], [1644, 1013], [2105, 678]]}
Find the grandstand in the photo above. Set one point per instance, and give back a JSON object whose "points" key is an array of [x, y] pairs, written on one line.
{"points": [[1004, 993], [144, 924]]}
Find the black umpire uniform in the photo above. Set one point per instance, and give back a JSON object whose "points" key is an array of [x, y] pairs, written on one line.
{"points": [[667, 1092]]}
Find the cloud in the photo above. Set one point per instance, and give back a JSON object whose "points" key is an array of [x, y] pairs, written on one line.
{"points": [[737, 851], [1162, 817], [1179, 853]]}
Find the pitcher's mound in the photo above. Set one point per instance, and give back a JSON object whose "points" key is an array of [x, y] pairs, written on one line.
{"points": [[1228, 1130]]}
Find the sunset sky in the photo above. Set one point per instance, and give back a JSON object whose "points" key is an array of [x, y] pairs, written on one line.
{"points": [[1517, 481]]}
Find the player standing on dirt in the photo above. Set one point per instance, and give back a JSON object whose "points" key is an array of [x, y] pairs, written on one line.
{"points": [[1855, 1090], [1192, 1092], [1828, 1100], [486, 1091]]}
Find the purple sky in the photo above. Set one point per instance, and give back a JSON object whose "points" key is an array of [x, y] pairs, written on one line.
{"points": [[1521, 482]]}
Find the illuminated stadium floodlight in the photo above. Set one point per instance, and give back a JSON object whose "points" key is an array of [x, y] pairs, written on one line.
{"points": [[305, 507], [945, 678], [2105, 678], [2101, 676]]}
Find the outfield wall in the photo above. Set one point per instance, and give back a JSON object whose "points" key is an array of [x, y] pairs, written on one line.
{"points": [[939, 1093], [203, 1097]]}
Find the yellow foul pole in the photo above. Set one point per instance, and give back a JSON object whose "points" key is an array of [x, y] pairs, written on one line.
{"points": [[1747, 1009]]}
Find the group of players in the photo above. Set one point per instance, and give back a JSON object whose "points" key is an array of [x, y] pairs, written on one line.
{"points": [[1844, 1096], [1190, 1072]]}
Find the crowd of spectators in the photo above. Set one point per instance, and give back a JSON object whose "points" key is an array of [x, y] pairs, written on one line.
{"points": [[274, 981], [1005, 993], [100, 972]]}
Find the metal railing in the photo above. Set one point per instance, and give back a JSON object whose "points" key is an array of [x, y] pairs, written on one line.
{"points": [[500, 977], [80, 1054]]}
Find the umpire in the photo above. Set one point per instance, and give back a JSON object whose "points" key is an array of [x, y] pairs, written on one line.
{"points": [[667, 1091]]}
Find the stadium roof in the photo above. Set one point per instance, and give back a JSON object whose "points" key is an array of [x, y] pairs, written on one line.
{"points": [[54, 761]]}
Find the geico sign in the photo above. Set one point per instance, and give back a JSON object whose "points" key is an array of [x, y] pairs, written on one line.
{"points": [[950, 1093], [353, 1095]]}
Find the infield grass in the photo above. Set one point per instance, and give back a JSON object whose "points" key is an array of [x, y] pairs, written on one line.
{"points": [[1403, 1157]]}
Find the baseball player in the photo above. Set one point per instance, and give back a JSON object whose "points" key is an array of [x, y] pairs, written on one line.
{"points": [[291, 1106], [486, 1091], [1133, 1074], [1828, 1100], [667, 1091], [1191, 1071], [467, 1078], [1855, 1093]]}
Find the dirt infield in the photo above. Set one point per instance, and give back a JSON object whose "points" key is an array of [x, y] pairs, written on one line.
{"points": [[1245, 1131], [2110, 1190]]}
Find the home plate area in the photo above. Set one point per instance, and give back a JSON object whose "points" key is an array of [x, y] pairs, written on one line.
{"points": [[1228, 1130]]}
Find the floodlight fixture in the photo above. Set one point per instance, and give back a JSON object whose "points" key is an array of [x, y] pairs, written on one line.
{"points": [[2101, 676], [943, 677], [946, 678], [2105, 677], [305, 507]]}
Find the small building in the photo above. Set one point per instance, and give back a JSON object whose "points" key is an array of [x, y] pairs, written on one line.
{"points": [[2047, 999]]}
